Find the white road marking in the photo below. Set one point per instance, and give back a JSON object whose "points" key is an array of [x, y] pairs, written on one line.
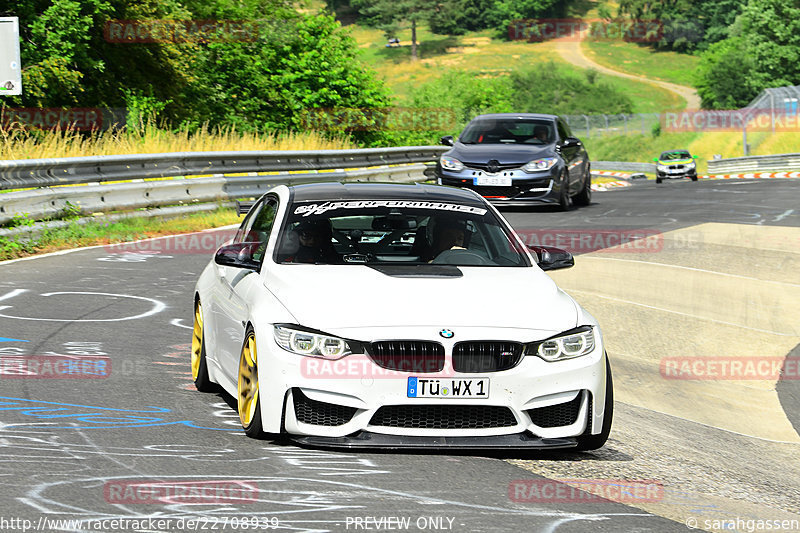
{"points": [[783, 215], [157, 308], [696, 270], [681, 313], [177, 322], [11, 294]]}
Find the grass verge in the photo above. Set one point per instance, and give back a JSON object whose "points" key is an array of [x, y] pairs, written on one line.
{"points": [[18, 143], [99, 231], [640, 60]]}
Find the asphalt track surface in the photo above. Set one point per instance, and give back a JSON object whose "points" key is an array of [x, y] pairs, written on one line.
{"points": [[721, 450]]}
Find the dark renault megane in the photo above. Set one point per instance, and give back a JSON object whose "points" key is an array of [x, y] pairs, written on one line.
{"points": [[518, 159]]}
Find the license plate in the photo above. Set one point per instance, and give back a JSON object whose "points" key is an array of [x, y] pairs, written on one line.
{"points": [[448, 388], [503, 181]]}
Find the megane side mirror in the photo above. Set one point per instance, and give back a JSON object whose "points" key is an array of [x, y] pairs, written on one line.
{"points": [[552, 258], [447, 140]]}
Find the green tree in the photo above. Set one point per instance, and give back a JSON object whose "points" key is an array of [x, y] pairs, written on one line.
{"points": [[763, 51], [392, 15], [686, 25], [724, 76], [305, 62]]}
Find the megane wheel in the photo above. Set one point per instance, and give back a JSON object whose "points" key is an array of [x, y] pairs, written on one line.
{"points": [[585, 196], [199, 367], [564, 199], [248, 398]]}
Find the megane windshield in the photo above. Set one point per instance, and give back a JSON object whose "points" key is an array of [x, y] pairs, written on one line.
{"points": [[508, 131], [396, 232]]}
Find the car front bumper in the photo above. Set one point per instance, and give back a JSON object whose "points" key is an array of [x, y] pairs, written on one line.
{"points": [[341, 402], [540, 187], [366, 439], [676, 174]]}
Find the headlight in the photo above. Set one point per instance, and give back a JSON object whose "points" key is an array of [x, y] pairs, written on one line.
{"points": [[311, 344], [690, 164], [661, 167], [573, 343], [540, 164], [451, 163]]}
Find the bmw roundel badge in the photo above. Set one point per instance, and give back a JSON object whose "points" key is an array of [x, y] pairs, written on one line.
{"points": [[446, 333]]}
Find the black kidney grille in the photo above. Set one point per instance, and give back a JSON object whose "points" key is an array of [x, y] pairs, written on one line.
{"points": [[310, 411], [443, 417], [408, 356], [561, 414], [486, 356]]}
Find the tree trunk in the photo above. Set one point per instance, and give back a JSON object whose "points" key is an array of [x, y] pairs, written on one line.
{"points": [[413, 40]]}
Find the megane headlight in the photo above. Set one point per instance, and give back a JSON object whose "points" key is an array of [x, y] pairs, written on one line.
{"points": [[573, 343], [451, 163], [540, 164], [311, 344]]}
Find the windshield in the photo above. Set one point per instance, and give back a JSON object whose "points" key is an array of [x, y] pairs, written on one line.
{"points": [[396, 232], [508, 131], [673, 156]]}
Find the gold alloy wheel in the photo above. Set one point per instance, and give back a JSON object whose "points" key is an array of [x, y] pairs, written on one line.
{"points": [[197, 340], [248, 381]]}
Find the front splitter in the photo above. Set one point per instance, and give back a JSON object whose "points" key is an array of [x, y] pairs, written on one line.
{"points": [[367, 439]]}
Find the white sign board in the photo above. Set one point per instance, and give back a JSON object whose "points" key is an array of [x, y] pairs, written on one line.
{"points": [[10, 67]]}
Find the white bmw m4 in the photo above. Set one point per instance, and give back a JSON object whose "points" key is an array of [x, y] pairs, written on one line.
{"points": [[368, 315]]}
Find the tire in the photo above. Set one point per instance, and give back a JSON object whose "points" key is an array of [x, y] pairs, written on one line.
{"points": [[248, 402], [584, 198], [588, 441], [658, 180], [199, 366], [564, 199], [694, 178]]}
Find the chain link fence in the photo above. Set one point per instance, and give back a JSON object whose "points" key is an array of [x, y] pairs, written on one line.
{"points": [[620, 124]]}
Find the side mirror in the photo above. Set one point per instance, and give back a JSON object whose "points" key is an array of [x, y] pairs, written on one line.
{"points": [[571, 142], [655, 160], [239, 255], [447, 140], [694, 157], [552, 258]]}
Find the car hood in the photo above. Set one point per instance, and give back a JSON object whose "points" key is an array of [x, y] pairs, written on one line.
{"points": [[504, 153], [332, 297]]}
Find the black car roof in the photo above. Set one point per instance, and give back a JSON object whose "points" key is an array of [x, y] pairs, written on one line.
{"points": [[517, 115], [332, 191]]}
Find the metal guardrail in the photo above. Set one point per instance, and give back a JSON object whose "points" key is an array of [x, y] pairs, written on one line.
{"points": [[43, 200], [759, 163], [624, 166], [28, 173]]}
